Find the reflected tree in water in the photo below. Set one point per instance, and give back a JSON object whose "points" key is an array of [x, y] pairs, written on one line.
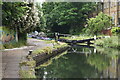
{"points": [[69, 67], [100, 61]]}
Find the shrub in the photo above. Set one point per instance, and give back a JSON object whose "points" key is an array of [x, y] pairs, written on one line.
{"points": [[111, 42], [115, 30], [95, 25], [14, 45]]}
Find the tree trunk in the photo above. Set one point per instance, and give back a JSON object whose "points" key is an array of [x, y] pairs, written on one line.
{"points": [[22, 37]]}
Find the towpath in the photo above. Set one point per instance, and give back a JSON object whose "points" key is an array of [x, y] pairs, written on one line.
{"points": [[12, 57]]}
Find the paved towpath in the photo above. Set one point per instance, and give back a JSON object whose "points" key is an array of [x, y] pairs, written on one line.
{"points": [[12, 57]]}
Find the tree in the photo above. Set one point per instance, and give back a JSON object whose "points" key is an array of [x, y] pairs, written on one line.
{"points": [[66, 16], [20, 16], [103, 61], [67, 65], [42, 24], [100, 22]]}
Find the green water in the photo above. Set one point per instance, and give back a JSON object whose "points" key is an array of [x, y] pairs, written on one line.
{"points": [[80, 62]]}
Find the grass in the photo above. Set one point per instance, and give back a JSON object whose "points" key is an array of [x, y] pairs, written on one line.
{"points": [[76, 37], [80, 37], [26, 74], [49, 41], [110, 52], [43, 50], [112, 42], [1, 47], [13, 45], [48, 50], [28, 63]]}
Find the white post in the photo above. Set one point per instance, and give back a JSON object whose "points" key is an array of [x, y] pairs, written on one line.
{"points": [[16, 35], [95, 50], [94, 37]]}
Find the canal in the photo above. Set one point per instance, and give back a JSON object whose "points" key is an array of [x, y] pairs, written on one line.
{"points": [[82, 62]]}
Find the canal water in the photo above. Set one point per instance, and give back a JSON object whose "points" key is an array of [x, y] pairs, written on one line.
{"points": [[82, 62]]}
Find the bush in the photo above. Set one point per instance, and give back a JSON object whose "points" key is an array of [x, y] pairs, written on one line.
{"points": [[111, 42], [95, 25], [14, 45], [115, 30]]}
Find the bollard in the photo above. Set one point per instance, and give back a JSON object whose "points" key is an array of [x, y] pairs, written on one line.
{"points": [[94, 37], [30, 52]]}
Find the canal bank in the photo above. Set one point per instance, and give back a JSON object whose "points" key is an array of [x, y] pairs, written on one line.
{"points": [[78, 60], [82, 62], [12, 57], [38, 57]]}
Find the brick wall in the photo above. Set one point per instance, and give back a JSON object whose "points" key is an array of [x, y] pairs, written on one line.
{"points": [[107, 32]]}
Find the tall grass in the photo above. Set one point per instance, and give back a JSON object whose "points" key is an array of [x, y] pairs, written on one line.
{"points": [[13, 45], [112, 42]]}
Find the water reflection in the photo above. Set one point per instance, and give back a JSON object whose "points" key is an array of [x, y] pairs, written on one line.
{"points": [[83, 62]]}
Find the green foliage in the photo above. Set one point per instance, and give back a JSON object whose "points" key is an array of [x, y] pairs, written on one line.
{"points": [[103, 61], [68, 65], [60, 46], [66, 17], [42, 23], [110, 52], [51, 60], [28, 63], [95, 25], [7, 30], [1, 47], [14, 45], [48, 50], [112, 42], [26, 74], [20, 15], [76, 37], [115, 30], [0, 2]]}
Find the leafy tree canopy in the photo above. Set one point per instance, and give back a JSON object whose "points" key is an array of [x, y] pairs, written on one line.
{"points": [[70, 15], [20, 15], [100, 22]]}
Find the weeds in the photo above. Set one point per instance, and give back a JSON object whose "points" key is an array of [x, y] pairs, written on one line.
{"points": [[48, 50], [26, 74], [43, 50], [13, 45], [111, 42], [28, 63]]}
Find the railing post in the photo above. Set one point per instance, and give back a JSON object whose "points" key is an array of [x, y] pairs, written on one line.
{"points": [[30, 52], [88, 42], [56, 37], [94, 37]]}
